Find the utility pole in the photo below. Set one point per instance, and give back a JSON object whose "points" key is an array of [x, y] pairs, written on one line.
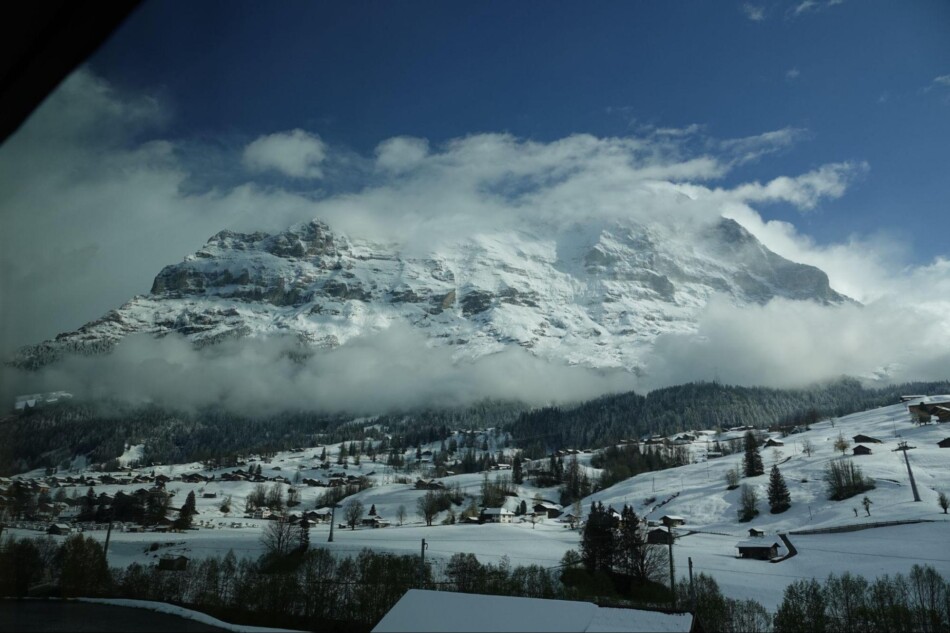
{"points": [[422, 564], [903, 447], [332, 521], [672, 572], [105, 550], [692, 590]]}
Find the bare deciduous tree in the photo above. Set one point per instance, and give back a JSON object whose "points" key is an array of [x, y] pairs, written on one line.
{"points": [[280, 536], [807, 447], [428, 506], [353, 511]]}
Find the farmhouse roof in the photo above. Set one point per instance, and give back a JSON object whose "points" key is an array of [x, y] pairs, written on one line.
{"points": [[757, 543], [422, 610]]}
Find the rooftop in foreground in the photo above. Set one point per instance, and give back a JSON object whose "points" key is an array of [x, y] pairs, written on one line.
{"points": [[422, 610]]}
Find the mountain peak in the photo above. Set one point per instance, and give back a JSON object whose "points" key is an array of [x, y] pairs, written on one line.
{"points": [[596, 295]]}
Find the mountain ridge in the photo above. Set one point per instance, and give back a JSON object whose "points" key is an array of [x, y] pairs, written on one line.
{"points": [[595, 295]]}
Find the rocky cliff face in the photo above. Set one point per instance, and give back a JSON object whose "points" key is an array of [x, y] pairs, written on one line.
{"points": [[596, 295]]}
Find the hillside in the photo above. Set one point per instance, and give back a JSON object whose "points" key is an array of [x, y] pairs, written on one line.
{"points": [[696, 491]]}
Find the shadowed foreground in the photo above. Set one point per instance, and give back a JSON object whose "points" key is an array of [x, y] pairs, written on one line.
{"points": [[76, 617]]}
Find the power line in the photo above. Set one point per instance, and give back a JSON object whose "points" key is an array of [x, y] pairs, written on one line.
{"points": [[833, 551]]}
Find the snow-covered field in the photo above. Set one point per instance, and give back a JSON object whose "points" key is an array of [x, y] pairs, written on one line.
{"points": [[708, 537]]}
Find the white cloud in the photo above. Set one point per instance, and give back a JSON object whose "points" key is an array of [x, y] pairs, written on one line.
{"points": [[942, 80], [793, 343], [297, 154], [92, 213], [401, 153], [754, 12], [393, 369], [751, 148], [812, 6], [804, 191], [792, 74]]}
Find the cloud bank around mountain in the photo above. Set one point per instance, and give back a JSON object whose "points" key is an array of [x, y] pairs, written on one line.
{"points": [[96, 200]]}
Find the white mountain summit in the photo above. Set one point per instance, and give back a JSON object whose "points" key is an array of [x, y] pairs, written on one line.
{"points": [[596, 294]]}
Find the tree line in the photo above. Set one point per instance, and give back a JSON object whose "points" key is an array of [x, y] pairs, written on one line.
{"points": [[313, 588]]}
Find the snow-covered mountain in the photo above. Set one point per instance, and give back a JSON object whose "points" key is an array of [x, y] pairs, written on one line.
{"points": [[596, 294]]}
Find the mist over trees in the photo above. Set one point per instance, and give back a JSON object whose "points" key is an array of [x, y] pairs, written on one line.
{"points": [[51, 436]]}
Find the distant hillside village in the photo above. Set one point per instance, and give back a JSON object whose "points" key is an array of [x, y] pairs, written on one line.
{"points": [[141, 499], [591, 522]]}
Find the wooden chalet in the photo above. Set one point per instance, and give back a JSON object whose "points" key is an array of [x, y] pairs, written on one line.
{"points": [[860, 449], [672, 520], [944, 443], [756, 533], [758, 548], [429, 484], [322, 515], [659, 536], [59, 529], [549, 510], [771, 442], [496, 515], [923, 410], [865, 439]]}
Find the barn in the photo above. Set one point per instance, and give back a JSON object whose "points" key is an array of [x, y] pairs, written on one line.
{"points": [[758, 548]]}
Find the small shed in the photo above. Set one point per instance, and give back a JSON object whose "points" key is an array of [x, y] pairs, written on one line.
{"points": [[756, 533], [173, 563], [758, 548], [59, 529], [769, 443], [865, 439], [672, 520], [659, 536], [862, 450], [944, 443]]}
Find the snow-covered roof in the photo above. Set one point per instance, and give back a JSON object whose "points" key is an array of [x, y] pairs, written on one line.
{"points": [[757, 543], [498, 511], [422, 610]]}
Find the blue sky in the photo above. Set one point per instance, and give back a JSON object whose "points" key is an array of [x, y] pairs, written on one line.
{"points": [[823, 126], [860, 78]]}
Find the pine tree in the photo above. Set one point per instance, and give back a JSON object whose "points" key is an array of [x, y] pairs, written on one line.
{"points": [[779, 498], [598, 540], [634, 556], [517, 472], [88, 508], [187, 512], [752, 462]]}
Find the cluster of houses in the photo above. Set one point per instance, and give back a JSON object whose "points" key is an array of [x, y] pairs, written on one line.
{"points": [[36, 500]]}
